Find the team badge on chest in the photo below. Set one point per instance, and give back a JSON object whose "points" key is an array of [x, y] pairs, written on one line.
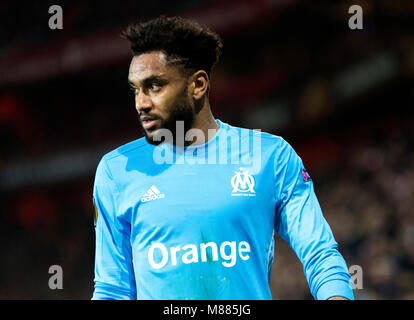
{"points": [[242, 183]]}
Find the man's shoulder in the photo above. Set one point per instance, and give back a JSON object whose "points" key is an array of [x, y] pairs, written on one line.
{"points": [[267, 139], [124, 151]]}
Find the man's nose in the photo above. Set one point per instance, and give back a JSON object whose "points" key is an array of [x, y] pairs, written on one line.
{"points": [[142, 101]]}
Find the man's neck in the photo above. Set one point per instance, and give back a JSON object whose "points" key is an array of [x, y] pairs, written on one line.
{"points": [[205, 122]]}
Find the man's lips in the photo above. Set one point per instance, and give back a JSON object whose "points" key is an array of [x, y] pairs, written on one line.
{"points": [[148, 122]]}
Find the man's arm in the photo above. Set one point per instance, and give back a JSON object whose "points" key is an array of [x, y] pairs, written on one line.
{"points": [[300, 222], [114, 275]]}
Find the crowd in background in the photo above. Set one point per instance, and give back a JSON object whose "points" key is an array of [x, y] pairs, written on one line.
{"points": [[369, 203]]}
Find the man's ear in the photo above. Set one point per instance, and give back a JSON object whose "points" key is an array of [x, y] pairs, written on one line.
{"points": [[200, 83]]}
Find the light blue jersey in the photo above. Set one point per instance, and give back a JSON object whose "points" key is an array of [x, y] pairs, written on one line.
{"points": [[198, 222]]}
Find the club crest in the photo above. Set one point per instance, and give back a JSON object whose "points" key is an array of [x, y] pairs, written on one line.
{"points": [[242, 183]]}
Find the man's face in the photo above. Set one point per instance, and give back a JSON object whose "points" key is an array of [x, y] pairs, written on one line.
{"points": [[161, 95]]}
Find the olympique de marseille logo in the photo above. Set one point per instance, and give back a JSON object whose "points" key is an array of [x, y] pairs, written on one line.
{"points": [[242, 183]]}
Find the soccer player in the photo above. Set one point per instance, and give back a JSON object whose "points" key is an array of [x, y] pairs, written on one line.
{"points": [[189, 210]]}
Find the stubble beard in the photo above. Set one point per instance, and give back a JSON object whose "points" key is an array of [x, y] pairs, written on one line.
{"points": [[183, 111]]}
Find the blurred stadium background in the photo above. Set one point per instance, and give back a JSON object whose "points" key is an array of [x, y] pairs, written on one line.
{"points": [[343, 98]]}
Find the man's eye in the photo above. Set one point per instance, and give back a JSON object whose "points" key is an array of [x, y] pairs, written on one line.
{"points": [[155, 86], [134, 90]]}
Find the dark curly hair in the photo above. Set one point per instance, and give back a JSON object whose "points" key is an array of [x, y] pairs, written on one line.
{"points": [[185, 42]]}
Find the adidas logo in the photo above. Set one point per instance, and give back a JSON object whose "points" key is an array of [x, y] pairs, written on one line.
{"points": [[152, 194]]}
